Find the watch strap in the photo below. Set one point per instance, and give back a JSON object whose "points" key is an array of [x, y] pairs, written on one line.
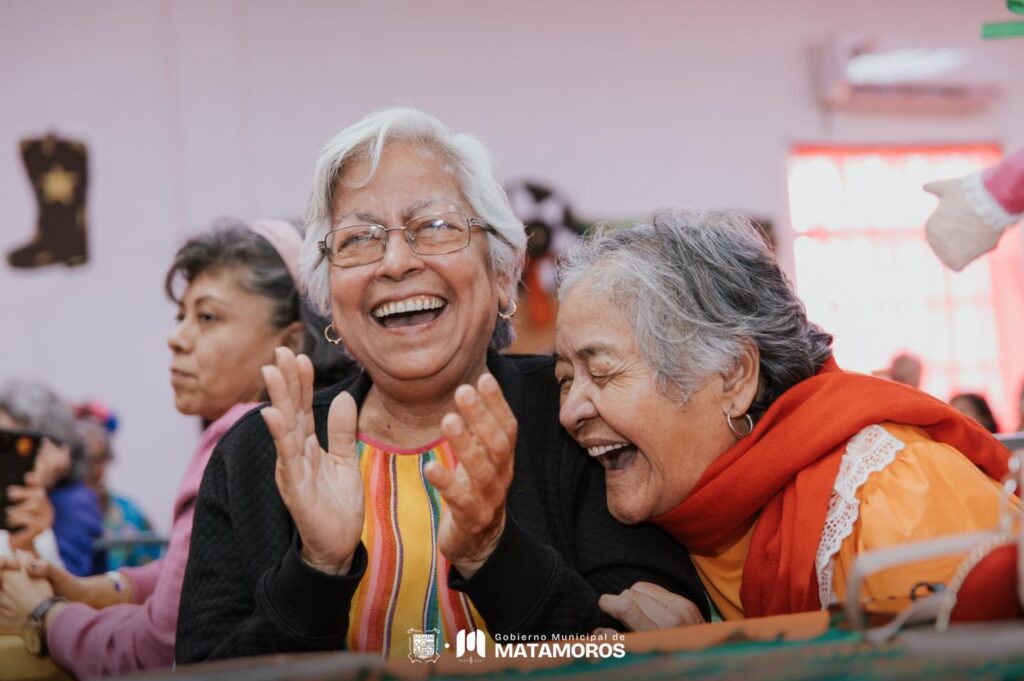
{"points": [[37, 620]]}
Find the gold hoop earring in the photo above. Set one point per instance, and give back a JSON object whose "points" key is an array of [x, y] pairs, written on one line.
{"points": [[510, 314], [735, 431], [327, 335]]}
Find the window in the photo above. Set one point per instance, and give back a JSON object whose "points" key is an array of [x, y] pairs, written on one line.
{"points": [[867, 275]]}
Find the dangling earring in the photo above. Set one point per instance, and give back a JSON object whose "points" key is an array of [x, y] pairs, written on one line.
{"points": [[327, 335], [510, 314], [735, 431]]}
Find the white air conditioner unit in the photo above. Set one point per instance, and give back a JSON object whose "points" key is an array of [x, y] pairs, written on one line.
{"points": [[873, 74]]}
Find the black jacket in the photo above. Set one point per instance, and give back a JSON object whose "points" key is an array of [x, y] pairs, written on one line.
{"points": [[248, 592]]}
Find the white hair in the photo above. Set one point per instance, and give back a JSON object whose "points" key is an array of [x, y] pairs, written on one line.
{"points": [[470, 163]]}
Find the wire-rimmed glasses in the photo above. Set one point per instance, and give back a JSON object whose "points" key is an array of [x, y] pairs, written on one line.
{"points": [[433, 234]]}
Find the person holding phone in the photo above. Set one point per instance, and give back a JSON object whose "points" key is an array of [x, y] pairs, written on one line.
{"points": [[239, 302], [53, 514], [25, 513]]}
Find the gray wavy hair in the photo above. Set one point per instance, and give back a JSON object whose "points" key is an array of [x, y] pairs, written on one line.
{"points": [[35, 406], [695, 287], [467, 159]]}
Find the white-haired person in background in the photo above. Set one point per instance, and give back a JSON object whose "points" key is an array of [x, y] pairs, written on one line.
{"points": [[58, 515], [238, 303], [435, 491]]}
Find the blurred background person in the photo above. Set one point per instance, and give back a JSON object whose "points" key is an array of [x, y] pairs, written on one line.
{"points": [[905, 368], [976, 407], [73, 510], [239, 302], [123, 520], [1020, 410]]}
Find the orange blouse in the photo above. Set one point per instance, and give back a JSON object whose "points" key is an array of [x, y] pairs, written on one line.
{"points": [[928, 490]]}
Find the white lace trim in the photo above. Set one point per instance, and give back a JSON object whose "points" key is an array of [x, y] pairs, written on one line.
{"points": [[867, 452]]}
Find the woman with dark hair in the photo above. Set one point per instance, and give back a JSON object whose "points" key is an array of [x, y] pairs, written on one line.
{"points": [[55, 494], [975, 406], [689, 369], [239, 302]]}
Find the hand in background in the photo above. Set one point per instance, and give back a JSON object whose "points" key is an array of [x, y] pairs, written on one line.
{"points": [[955, 232], [483, 435], [645, 606], [20, 594], [98, 591], [31, 512], [323, 490]]}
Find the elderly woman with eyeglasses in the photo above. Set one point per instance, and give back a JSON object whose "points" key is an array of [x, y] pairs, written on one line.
{"points": [[689, 369], [437, 492]]}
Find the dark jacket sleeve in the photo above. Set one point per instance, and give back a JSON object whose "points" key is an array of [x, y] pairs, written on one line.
{"points": [[561, 549], [247, 590], [529, 588]]}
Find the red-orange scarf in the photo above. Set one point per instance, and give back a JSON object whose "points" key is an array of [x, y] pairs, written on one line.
{"points": [[782, 474]]}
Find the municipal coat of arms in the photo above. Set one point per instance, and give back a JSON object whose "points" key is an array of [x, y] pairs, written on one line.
{"points": [[424, 645]]}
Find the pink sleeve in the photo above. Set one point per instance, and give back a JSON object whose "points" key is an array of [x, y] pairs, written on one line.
{"points": [[143, 579], [130, 637], [127, 637], [1005, 182]]}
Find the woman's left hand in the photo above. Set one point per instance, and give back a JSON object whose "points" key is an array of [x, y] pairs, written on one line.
{"points": [[645, 606], [19, 594], [483, 435]]}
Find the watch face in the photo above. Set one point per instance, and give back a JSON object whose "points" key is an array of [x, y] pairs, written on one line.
{"points": [[30, 637]]}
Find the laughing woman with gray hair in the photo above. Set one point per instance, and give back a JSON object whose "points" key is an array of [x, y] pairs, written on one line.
{"points": [[435, 493], [689, 369]]}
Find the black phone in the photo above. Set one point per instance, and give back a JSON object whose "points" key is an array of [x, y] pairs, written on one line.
{"points": [[18, 449]]}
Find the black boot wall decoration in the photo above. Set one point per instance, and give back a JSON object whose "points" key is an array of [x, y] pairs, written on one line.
{"points": [[57, 171]]}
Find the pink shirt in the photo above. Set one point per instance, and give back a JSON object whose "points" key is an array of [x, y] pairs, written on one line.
{"points": [[132, 636]]}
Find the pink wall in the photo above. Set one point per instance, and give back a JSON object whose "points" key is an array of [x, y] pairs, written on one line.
{"points": [[197, 109]]}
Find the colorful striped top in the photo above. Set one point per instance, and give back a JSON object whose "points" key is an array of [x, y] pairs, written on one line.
{"points": [[406, 581]]}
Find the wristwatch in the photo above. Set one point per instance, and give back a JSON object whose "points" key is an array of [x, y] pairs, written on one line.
{"points": [[33, 631]]}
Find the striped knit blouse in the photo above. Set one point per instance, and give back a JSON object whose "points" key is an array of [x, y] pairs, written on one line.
{"points": [[406, 581]]}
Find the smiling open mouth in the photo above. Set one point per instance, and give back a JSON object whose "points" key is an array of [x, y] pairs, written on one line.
{"points": [[614, 457], [409, 312]]}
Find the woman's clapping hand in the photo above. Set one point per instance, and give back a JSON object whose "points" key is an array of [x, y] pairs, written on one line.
{"points": [[323, 490], [483, 435]]}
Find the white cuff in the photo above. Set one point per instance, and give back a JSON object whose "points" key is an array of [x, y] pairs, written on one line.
{"points": [[985, 206]]}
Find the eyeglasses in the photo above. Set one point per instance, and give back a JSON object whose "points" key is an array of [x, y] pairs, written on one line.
{"points": [[434, 234]]}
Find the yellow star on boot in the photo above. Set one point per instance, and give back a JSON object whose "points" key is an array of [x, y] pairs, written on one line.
{"points": [[58, 185]]}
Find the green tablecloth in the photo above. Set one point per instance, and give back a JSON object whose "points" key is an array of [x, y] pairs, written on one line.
{"points": [[836, 654]]}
